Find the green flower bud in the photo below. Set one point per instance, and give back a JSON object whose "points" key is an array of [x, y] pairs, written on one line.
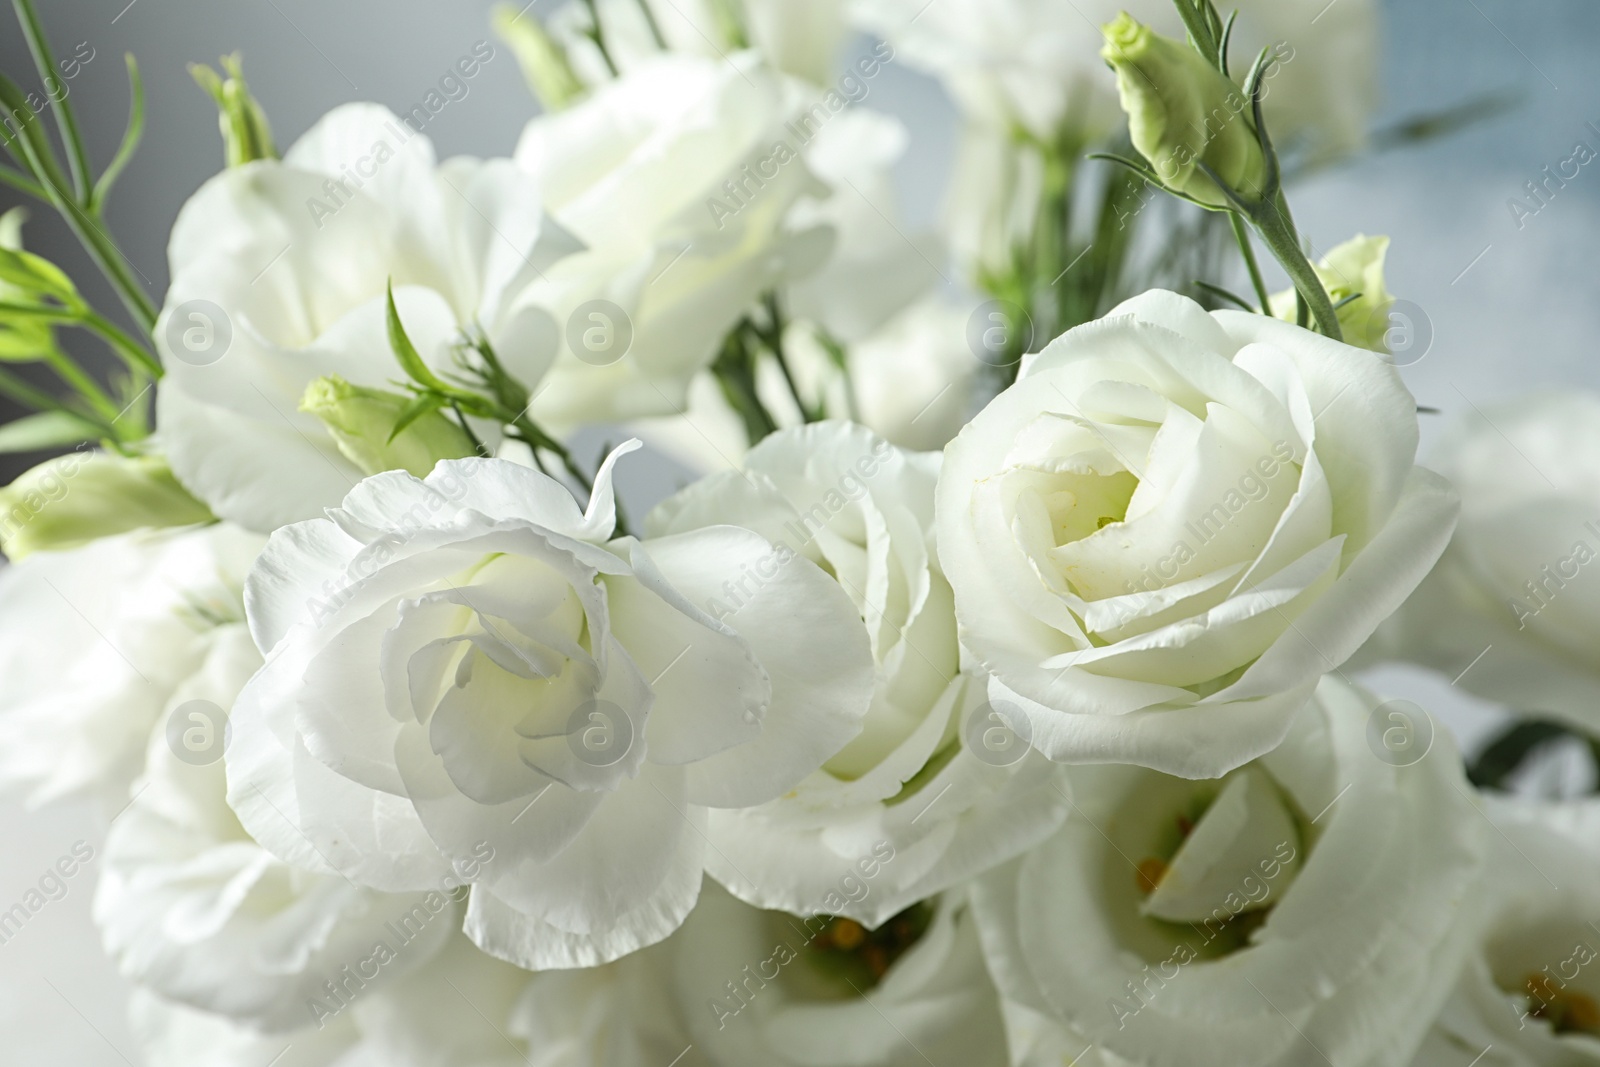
{"points": [[80, 497], [1356, 266], [362, 422], [1183, 112], [246, 135], [543, 60]]}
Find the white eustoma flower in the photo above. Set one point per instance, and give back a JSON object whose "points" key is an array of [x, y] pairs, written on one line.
{"points": [[737, 986], [196, 911], [470, 660], [1312, 906], [909, 787], [763, 987], [96, 645], [1529, 995], [1036, 64], [278, 277], [678, 177], [1516, 596], [1174, 522]]}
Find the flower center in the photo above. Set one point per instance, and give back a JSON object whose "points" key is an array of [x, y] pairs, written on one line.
{"points": [[1229, 863], [1567, 1010], [846, 952]]}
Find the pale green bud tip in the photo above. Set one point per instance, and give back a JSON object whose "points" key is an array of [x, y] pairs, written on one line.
{"points": [[80, 497], [1125, 37], [1183, 112], [543, 60], [246, 134], [362, 423]]}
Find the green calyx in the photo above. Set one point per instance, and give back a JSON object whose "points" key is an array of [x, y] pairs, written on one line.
{"points": [[382, 431]]}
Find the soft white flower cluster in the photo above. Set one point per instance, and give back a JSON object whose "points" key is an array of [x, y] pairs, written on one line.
{"points": [[944, 721]]}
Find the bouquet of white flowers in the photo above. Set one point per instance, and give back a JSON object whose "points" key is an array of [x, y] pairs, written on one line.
{"points": [[983, 698]]}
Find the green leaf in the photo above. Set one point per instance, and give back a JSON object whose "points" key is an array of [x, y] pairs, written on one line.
{"points": [[410, 360], [130, 137], [35, 274], [1500, 759], [46, 430]]}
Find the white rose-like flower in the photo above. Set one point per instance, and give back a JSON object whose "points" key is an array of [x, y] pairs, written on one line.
{"points": [[1529, 995], [737, 986], [1174, 522], [762, 987], [470, 659], [278, 277], [678, 176], [1516, 596], [1313, 902], [96, 644], [907, 786], [195, 910], [1036, 63]]}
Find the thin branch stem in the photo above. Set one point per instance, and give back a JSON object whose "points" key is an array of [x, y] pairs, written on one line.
{"points": [[77, 156], [1242, 235]]}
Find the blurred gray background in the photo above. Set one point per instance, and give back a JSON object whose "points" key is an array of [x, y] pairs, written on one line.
{"points": [[1508, 308]]}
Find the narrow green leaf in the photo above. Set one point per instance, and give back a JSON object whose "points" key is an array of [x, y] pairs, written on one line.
{"points": [[130, 137], [45, 431], [410, 360]]}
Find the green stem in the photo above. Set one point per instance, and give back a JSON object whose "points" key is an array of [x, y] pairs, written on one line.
{"points": [[1242, 235], [85, 225], [1277, 233], [77, 157], [72, 374], [598, 36], [734, 372], [23, 393], [655, 27], [135, 354], [22, 183]]}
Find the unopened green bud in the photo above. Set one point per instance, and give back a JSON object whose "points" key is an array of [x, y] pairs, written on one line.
{"points": [[362, 422], [543, 60], [1352, 268], [83, 496], [246, 134], [1183, 112]]}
